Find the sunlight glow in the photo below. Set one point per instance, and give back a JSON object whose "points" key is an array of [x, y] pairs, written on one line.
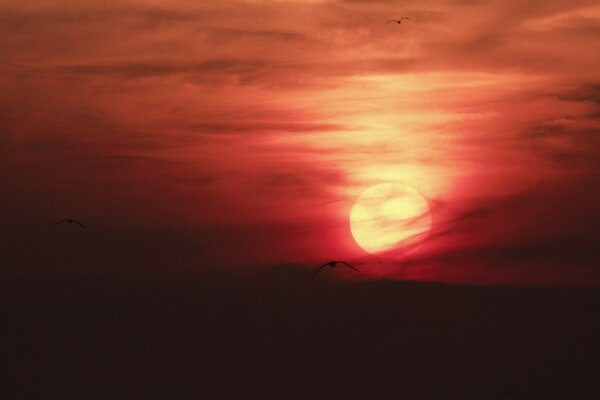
{"points": [[388, 216]]}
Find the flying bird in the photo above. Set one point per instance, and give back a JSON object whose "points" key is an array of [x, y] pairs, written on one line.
{"points": [[332, 264], [398, 21], [70, 221]]}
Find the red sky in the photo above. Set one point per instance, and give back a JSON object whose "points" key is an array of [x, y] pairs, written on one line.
{"points": [[236, 134]]}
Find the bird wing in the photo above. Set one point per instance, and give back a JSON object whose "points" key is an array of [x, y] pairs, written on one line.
{"points": [[60, 222], [345, 263], [391, 20], [318, 269], [80, 224]]}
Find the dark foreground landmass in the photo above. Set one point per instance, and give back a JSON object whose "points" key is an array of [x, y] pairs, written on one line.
{"points": [[287, 338]]}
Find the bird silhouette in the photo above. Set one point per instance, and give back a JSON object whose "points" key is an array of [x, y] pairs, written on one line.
{"points": [[332, 264], [398, 21], [70, 221]]}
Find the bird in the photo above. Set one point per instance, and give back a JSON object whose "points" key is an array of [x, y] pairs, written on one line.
{"points": [[398, 21], [332, 264], [70, 221]]}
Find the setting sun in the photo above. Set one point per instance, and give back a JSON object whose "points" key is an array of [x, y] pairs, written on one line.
{"points": [[388, 217]]}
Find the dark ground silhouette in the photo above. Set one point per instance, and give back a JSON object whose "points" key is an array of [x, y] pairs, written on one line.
{"points": [[282, 337]]}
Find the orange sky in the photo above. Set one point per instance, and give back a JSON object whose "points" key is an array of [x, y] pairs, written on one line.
{"points": [[236, 134]]}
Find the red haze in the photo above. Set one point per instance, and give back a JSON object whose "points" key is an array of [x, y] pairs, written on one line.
{"points": [[237, 134]]}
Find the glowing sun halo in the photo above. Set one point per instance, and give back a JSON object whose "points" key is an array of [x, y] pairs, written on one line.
{"points": [[389, 216]]}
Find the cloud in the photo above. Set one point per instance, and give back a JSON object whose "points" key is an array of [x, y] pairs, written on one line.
{"points": [[587, 93], [205, 71], [262, 121], [582, 18], [260, 127]]}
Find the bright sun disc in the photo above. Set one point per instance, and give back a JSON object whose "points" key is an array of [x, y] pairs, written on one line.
{"points": [[389, 216]]}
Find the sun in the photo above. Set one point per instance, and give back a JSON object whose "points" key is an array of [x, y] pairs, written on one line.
{"points": [[389, 217]]}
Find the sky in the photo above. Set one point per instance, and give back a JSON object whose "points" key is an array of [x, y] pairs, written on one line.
{"points": [[236, 135]]}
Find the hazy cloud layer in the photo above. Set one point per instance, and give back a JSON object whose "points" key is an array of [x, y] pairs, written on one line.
{"points": [[240, 132]]}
